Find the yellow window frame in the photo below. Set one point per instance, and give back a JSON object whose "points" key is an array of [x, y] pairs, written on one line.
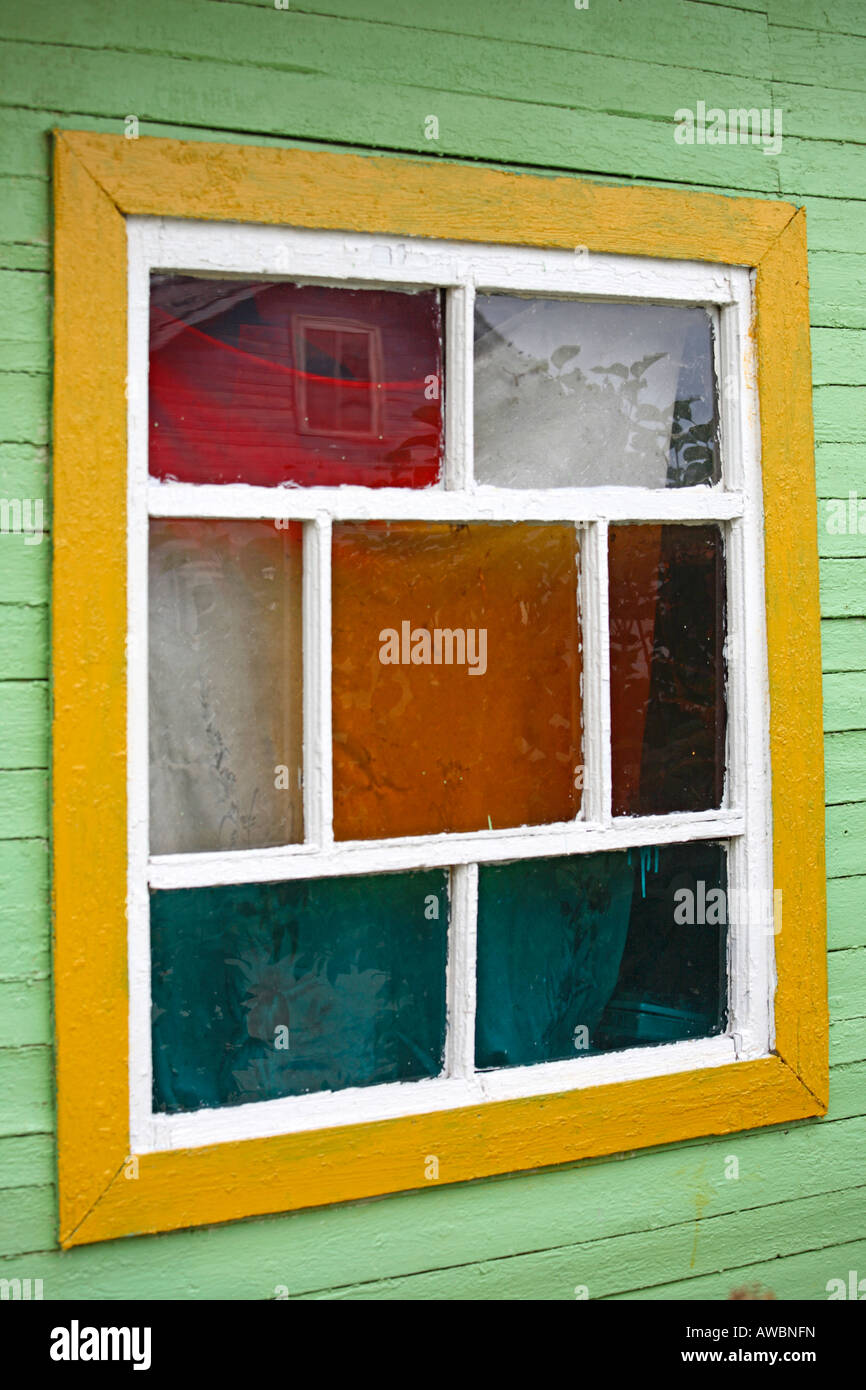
{"points": [[99, 181]]}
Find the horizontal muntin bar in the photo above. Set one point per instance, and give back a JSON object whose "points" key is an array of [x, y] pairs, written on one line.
{"points": [[239, 500], [437, 851]]}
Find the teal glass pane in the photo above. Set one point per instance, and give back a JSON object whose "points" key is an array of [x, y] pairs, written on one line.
{"points": [[281, 989], [591, 953]]}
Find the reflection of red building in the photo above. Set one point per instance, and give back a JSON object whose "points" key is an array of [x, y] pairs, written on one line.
{"points": [[282, 383], [339, 378]]}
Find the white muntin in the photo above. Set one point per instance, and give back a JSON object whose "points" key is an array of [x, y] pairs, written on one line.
{"points": [[743, 820]]}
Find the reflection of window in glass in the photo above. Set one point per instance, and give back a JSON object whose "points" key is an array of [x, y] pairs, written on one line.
{"points": [[308, 385], [339, 378], [431, 766]]}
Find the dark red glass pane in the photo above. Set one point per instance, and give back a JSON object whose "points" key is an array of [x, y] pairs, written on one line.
{"points": [[276, 383], [667, 677]]}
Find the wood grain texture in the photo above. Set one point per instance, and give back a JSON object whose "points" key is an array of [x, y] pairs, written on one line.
{"points": [[705, 1246], [89, 676], [846, 831], [846, 911], [794, 652], [23, 641], [843, 645], [442, 1227], [361, 113], [302, 43], [24, 719], [203, 1186], [422, 198]]}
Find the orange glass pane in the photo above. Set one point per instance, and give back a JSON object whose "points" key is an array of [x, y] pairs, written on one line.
{"points": [[456, 677]]}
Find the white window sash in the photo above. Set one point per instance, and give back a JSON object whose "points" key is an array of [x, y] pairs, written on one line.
{"points": [[743, 820]]}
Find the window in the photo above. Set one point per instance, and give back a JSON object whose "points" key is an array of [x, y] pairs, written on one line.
{"points": [[450, 697], [389, 879]]}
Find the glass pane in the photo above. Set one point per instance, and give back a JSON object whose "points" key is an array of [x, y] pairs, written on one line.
{"points": [[573, 394], [456, 685], [596, 952], [225, 685], [279, 989], [667, 672], [252, 382]]}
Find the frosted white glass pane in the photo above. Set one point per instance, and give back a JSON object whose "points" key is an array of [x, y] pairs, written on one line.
{"points": [[579, 394], [225, 685]]}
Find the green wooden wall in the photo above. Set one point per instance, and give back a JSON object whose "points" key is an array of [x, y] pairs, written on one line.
{"points": [[532, 83]]}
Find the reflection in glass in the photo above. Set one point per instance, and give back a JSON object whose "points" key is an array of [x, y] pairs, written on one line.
{"points": [[579, 394], [592, 953], [667, 671], [264, 383], [456, 677], [280, 989], [225, 685]]}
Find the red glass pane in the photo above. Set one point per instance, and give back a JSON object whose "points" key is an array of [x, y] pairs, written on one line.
{"points": [[276, 383]]}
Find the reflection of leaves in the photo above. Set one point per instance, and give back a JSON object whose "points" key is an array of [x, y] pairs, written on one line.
{"points": [[647, 425], [333, 1011], [564, 354], [703, 432], [693, 447], [640, 367]]}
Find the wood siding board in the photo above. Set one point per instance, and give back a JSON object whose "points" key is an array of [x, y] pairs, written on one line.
{"points": [[734, 42], [845, 768], [846, 829], [843, 593], [315, 45], [843, 644], [817, 59], [359, 113], [846, 911], [629, 1263], [23, 641]]}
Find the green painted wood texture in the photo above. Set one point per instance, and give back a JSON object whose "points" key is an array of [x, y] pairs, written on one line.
{"points": [[522, 84]]}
